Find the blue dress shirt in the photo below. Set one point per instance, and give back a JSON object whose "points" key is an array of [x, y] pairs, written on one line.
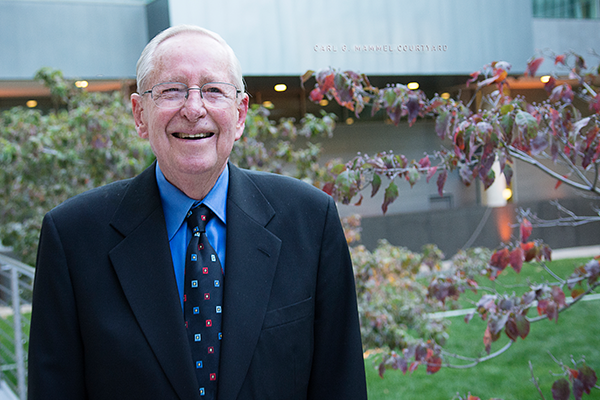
{"points": [[175, 207]]}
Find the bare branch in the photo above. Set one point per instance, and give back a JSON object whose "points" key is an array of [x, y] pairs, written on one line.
{"points": [[571, 220], [475, 361], [535, 381], [532, 161]]}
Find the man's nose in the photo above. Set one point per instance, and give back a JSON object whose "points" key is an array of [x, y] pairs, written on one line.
{"points": [[193, 108]]}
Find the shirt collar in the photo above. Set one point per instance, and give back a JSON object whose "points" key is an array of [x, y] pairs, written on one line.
{"points": [[176, 204]]}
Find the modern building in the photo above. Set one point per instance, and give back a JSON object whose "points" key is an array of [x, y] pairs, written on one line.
{"points": [[436, 43]]}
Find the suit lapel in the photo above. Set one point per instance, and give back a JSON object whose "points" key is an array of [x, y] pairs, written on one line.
{"points": [[252, 255], [144, 267]]}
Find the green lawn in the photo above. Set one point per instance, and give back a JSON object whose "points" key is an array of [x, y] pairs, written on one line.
{"points": [[508, 376]]}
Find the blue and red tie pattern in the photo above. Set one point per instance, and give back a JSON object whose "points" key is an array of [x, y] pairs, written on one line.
{"points": [[203, 299]]}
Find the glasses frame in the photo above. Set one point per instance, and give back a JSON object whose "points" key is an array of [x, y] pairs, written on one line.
{"points": [[187, 93]]}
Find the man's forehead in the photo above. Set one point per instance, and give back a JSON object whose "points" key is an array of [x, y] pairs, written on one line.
{"points": [[185, 41], [166, 63]]}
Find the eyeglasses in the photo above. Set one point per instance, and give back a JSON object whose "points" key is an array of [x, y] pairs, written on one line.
{"points": [[171, 95]]}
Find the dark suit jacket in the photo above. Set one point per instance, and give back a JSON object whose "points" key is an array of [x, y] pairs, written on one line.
{"points": [[107, 322]]}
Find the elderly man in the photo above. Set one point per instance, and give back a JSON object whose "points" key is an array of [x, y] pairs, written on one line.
{"points": [[195, 279]]}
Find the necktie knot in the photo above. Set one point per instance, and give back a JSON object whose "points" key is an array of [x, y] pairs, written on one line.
{"points": [[198, 217]]}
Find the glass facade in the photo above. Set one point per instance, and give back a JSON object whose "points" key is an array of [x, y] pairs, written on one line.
{"points": [[580, 9]]}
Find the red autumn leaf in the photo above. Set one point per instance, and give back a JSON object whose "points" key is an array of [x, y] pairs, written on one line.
{"points": [[413, 107], [533, 65], [381, 370], [473, 77], [516, 259], [401, 364], [421, 353], [413, 367], [441, 181], [429, 353], [560, 59], [434, 364], [359, 201], [529, 250], [550, 85], [473, 397], [517, 326], [578, 389], [561, 389], [424, 162], [573, 373], [552, 311], [511, 330], [588, 378], [547, 252], [526, 229], [542, 306], [316, 95], [328, 188], [431, 172], [500, 259], [523, 325], [327, 83], [559, 296], [595, 104], [487, 340]]}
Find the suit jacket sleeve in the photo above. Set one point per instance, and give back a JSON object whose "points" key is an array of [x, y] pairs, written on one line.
{"points": [[338, 366], [55, 347]]}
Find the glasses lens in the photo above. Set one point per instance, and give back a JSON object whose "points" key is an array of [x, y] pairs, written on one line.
{"points": [[174, 94], [169, 95], [219, 94]]}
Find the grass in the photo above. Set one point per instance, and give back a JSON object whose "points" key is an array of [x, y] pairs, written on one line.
{"points": [[7, 345], [508, 376]]}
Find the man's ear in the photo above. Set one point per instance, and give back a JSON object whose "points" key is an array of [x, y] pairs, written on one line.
{"points": [[138, 116], [242, 110]]}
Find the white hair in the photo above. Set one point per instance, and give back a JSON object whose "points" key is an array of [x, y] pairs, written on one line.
{"points": [[145, 64]]}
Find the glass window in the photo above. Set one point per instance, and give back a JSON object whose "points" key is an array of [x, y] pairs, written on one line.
{"points": [[586, 9]]}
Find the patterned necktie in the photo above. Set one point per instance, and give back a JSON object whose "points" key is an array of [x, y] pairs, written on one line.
{"points": [[203, 297]]}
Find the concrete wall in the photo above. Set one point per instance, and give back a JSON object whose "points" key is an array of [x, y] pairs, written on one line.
{"points": [[287, 37], [561, 35], [83, 39], [476, 226]]}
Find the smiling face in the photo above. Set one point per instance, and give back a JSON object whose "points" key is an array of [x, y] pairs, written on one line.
{"points": [[192, 143]]}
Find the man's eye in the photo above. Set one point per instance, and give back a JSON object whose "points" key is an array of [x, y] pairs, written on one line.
{"points": [[213, 90], [171, 90]]}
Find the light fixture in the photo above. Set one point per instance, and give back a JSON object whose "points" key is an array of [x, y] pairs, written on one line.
{"points": [[31, 103], [82, 84], [267, 104], [445, 95], [545, 78], [323, 102], [280, 87], [507, 194], [413, 85]]}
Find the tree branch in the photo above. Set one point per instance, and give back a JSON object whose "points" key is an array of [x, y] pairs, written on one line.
{"points": [[530, 160], [474, 361], [535, 381], [575, 300]]}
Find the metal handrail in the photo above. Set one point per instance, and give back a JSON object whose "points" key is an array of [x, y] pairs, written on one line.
{"points": [[21, 281]]}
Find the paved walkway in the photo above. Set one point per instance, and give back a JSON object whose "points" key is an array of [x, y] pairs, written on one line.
{"points": [[576, 252]]}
